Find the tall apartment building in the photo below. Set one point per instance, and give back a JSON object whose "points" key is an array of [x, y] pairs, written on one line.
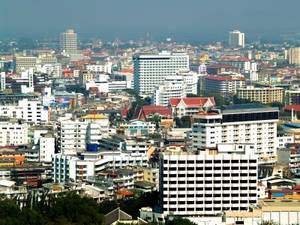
{"points": [[47, 147], [190, 80], [254, 124], [263, 95], [224, 85], [68, 42], [151, 70], [30, 110], [208, 181], [72, 136], [294, 55], [173, 87], [236, 39]]}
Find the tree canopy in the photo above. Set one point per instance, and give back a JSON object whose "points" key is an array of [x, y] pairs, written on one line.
{"points": [[69, 209]]}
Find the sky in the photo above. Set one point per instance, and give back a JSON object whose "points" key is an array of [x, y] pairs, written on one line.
{"points": [[131, 19]]}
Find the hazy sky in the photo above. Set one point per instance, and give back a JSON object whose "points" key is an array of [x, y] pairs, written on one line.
{"points": [[133, 18]]}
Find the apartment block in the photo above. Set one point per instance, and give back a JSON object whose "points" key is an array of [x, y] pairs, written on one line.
{"points": [[263, 95], [292, 97], [236, 39], [208, 181], [151, 70], [30, 110], [173, 87], [224, 85], [13, 133], [294, 55], [250, 123], [47, 147], [85, 165], [72, 136]]}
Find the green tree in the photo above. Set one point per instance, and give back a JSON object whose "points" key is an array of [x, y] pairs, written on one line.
{"points": [[76, 209], [183, 122], [107, 206], [219, 100]]}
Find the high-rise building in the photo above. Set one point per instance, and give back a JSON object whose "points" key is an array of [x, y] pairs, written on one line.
{"points": [[72, 136], [253, 124], [236, 39], [173, 87], [294, 56], [151, 70], [68, 42], [208, 181]]}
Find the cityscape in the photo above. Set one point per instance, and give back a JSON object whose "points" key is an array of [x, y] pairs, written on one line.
{"points": [[156, 129]]}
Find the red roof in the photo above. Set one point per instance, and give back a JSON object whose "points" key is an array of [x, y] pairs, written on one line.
{"points": [[191, 101], [208, 114], [218, 66], [148, 109], [97, 53], [126, 71], [215, 77], [94, 89], [284, 191], [227, 58], [67, 71], [123, 192], [124, 112], [296, 187], [293, 106]]}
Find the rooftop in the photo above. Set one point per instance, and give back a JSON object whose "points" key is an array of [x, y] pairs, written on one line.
{"points": [[246, 108], [215, 77], [284, 203], [94, 116]]}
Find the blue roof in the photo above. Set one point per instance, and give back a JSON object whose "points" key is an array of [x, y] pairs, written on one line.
{"points": [[287, 126]]}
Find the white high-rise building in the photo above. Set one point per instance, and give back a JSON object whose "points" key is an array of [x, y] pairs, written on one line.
{"points": [[190, 80], [253, 124], [173, 87], [294, 55], [68, 42], [151, 70], [72, 136], [208, 181], [47, 147], [236, 39]]}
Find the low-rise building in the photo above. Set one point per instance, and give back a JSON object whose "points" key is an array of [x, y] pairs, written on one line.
{"points": [[224, 85], [190, 106], [263, 95], [87, 165]]}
